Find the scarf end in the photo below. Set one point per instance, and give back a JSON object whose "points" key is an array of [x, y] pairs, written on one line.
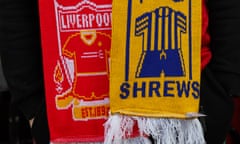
{"points": [[119, 130]]}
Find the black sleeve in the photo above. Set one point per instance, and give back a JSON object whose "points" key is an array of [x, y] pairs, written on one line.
{"points": [[21, 55], [220, 80], [224, 28]]}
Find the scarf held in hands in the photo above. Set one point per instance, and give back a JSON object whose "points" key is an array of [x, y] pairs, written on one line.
{"points": [[155, 71]]}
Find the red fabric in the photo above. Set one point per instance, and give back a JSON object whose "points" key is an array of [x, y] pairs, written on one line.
{"points": [[76, 67], [205, 53]]}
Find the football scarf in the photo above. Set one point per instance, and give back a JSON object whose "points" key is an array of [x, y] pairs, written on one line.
{"points": [[155, 71], [76, 41]]}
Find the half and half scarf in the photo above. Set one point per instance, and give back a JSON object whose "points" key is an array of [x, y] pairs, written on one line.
{"points": [[155, 71]]}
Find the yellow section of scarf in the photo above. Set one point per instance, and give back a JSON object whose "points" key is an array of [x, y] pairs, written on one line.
{"points": [[155, 58]]}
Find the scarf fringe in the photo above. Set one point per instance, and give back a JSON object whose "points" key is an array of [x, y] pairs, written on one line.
{"points": [[119, 128], [76, 143]]}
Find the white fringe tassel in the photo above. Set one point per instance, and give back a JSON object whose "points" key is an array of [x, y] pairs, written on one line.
{"points": [[118, 129]]}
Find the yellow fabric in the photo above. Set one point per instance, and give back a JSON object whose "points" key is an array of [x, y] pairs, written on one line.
{"points": [[155, 58]]}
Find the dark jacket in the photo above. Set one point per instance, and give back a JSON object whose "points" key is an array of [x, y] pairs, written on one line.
{"points": [[220, 79]]}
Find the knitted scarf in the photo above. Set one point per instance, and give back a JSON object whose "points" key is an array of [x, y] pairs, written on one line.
{"points": [[155, 71], [76, 40]]}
